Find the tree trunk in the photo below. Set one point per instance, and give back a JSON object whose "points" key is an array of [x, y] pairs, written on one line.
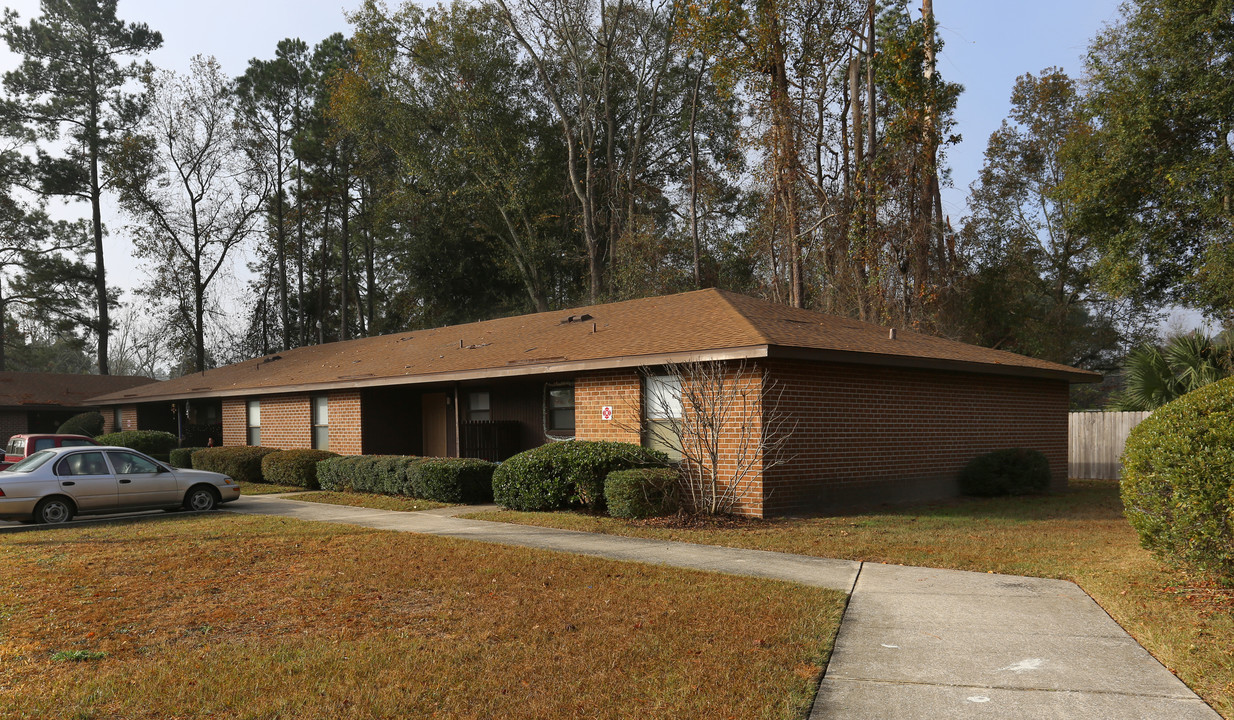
{"points": [[345, 270], [281, 238], [96, 218], [698, 267]]}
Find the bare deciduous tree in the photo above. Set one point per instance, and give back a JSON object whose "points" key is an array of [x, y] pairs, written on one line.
{"points": [[726, 421]]}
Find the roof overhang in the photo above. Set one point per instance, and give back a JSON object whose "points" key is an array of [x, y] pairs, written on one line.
{"points": [[907, 361], [752, 352]]}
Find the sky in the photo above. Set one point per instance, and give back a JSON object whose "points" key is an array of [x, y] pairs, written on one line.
{"points": [[987, 45]]}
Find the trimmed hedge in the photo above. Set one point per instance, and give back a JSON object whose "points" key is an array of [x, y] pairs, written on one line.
{"points": [[89, 424], [642, 492], [293, 467], [182, 457], [1015, 471], [1178, 480], [241, 462], [150, 442], [450, 480], [555, 475]]}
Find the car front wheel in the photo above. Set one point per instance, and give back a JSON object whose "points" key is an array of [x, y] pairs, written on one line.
{"points": [[200, 499], [53, 510]]}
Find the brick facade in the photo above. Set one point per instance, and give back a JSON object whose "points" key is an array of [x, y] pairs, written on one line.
{"points": [[867, 435], [620, 390], [12, 422], [287, 421], [861, 435]]}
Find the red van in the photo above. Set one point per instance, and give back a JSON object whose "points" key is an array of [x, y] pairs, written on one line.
{"points": [[21, 446]]}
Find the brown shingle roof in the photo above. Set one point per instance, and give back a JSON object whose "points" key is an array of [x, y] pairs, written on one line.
{"points": [[701, 324], [31, 389]]}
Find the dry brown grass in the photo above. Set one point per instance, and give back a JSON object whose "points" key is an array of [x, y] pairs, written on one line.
{"points": [[255, 488], [1080, 535], [370, 500], [225, 616]]}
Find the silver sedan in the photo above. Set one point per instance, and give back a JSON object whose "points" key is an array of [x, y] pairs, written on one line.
{"points": [[51, 486]]}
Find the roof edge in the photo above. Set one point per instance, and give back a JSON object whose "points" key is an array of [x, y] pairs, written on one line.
{"points": [[614, 363], [1073, 375]]}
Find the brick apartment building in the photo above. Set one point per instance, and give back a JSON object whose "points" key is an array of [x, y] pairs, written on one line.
{"points": [[877, 415], [41, 402]]}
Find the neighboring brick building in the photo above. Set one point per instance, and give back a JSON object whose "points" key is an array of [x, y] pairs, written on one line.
{"points": [[41, 402], [876, 415]]}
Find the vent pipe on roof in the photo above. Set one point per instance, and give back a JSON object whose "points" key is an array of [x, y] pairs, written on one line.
{"points": [[891, 334], [593, 327]]}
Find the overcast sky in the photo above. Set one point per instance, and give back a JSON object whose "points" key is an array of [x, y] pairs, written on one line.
{"points": [[988, 43]]}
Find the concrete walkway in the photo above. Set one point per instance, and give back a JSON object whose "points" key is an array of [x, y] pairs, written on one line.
{"points": [[914, 642]]}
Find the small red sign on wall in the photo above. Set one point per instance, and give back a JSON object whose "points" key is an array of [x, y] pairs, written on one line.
{"points": [[606, 412]]}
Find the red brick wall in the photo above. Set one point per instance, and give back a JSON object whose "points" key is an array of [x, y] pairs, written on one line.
{"points": [[128, 417], [620, 390], [287, 421], [867, 435], [12, 422], [345, 436]]}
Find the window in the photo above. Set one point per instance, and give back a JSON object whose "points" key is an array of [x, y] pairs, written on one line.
{"points": [[478, 407], [321, 422], [117, 416], [89, 463], [127, 463], [44, 444], [70, 442], [17, 446], [33, 462], [661, 407], [254, 422], [561, 408]]}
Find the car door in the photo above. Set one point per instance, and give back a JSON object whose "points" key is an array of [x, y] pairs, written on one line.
{"points": [[142, 482], [85, 477]]}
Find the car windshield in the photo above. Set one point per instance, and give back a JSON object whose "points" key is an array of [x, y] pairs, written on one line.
{"points": [[33, 462]]}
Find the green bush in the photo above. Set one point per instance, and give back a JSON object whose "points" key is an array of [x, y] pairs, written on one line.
{"points": [[293, 467], [1016, 471], [89, 424], [451, 480], [241, 462], [642, 492], [365, 473], [1178, 480], [150, 442], [182, 457], [555, 475]]}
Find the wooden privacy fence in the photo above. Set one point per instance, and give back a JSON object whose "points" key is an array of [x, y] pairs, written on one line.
{"points": [[1096, 440]]}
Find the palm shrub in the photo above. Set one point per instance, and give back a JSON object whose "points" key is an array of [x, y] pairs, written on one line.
{"points": [[293, 467], [558, 474], [1015, 471], [1154, 376], [1178, 480], [89, 424]]}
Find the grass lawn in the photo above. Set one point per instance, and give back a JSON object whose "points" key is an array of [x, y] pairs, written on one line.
{"points": [[223, 616], [370, 500], [261, 488], [1080, 535]]}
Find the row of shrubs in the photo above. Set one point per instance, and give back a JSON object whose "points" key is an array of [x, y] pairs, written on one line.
{"points": [[450, 480]]}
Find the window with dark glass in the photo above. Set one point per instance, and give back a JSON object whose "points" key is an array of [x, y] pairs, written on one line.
{"points": [[321, 422], [479, 408], [561, 407], [254, 422], [118, 417]]}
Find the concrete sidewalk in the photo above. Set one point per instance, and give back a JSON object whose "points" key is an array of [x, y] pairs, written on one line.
{"points": [[914, 642]]}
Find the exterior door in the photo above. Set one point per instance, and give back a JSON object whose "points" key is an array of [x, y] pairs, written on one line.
{"points": [[86, 478], [140, 482], [433, 414]]}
